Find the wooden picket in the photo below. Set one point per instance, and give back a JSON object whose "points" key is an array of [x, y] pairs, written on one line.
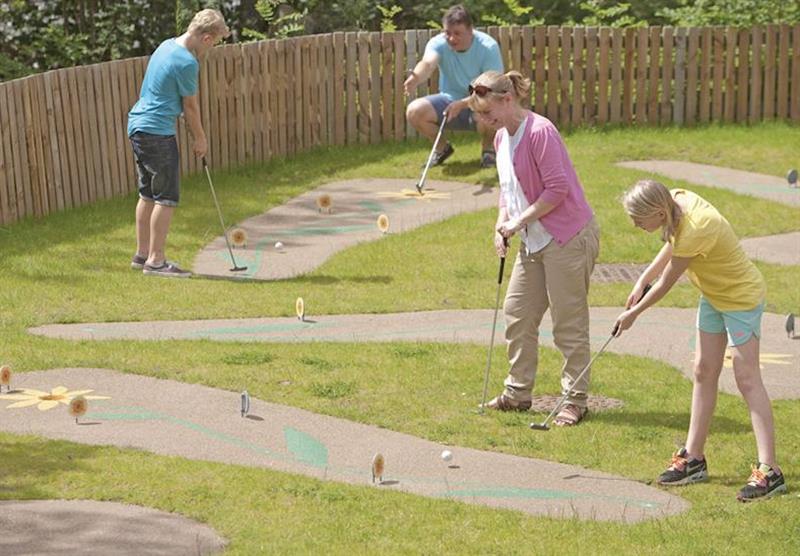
{"points": [[64, 140]]}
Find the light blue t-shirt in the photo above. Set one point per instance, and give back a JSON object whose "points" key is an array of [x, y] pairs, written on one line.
{"points": [[171, 75], [458, 69]]}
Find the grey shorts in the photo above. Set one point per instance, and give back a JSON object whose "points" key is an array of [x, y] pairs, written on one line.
{"points": [[158, 166], [440, 102]]}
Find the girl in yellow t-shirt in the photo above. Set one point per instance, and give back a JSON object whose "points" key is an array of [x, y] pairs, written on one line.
{"points": [[699, 241]]}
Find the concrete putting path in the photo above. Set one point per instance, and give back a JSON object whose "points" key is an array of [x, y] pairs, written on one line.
{"points": [[783, 249], [746, 183], [666, 334], [310, 234], [196, 422], [91, 528]]}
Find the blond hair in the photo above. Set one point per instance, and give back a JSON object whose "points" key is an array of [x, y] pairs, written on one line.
{"points": [[208, 22], [499, 84], [647, 198]]}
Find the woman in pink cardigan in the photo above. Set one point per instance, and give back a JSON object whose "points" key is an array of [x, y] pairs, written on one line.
{"points": [[542, 201]]}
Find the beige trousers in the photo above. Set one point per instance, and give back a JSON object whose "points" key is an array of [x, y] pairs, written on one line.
{"points": [[556, 277]]}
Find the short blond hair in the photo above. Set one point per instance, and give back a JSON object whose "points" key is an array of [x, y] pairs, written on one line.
{"points": [[208, 22], [499, 84], [646, 198]]}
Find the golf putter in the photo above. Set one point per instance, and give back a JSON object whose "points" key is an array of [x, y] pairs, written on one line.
{"points": [[421, 182], [494, 326], [236, 267], [544, 426]]}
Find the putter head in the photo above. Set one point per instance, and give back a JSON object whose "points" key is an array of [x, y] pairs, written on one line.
{"points": [[540, 426], [791, 177], [418, 185], [238, 269]]}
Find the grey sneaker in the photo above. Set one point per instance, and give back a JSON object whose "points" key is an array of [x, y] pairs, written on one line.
{"points": [[684, 471], [137, 262], [440, 157], [764, 482], [167, 270], [488, 159]]}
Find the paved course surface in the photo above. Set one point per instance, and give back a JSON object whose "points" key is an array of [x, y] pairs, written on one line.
{"points": [[92, 528], [747, 183], [666, 334], [311, 235], [201, 423]]}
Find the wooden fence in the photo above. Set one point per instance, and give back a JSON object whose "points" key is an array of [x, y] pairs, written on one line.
{"points": [[63, 132]]}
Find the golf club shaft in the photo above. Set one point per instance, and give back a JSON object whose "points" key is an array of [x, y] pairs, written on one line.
{"points": [[494, 327], [421, 183], [219, 212], [543, 424]]}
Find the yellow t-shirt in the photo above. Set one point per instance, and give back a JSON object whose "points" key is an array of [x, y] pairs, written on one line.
{"points": [[719, 267]]}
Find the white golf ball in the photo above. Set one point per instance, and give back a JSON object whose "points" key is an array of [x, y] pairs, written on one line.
{"points": [[447, 456], [278, 245]]}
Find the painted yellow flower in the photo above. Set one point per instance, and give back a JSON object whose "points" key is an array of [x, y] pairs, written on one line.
{"points": [[300, 308], [239, 238], [28, 397], [378, 466], [383, 223], [324, 202]]}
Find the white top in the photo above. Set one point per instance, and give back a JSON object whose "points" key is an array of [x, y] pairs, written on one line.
{"points": [[533, 234]]}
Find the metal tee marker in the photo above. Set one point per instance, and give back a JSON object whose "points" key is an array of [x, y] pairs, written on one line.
{"points": [[236, 267]]}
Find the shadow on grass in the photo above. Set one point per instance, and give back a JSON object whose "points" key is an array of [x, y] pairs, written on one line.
{"points": [[677, 421], [29, 462]]}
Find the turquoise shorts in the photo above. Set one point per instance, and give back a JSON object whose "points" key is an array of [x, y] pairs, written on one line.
{"points": [[740, 325]]}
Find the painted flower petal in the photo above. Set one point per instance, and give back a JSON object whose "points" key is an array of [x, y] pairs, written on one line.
{"points": [[97, 397], [47, 404], [25, 403], [18, 397], [34, 392], [59, 390], [77, 393]]}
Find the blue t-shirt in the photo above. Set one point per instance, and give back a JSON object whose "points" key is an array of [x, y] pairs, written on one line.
{"points": [[458, 69], [171, 75]]}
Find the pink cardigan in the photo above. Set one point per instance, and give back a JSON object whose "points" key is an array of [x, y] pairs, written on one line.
{"points": [[545, 171]]}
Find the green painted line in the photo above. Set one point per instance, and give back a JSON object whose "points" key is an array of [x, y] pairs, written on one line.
{"points": [[258, 329], [372, 206], [305, 447]]}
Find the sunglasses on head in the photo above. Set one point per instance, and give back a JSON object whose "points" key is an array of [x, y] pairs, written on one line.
{"points": [[480, 90]]}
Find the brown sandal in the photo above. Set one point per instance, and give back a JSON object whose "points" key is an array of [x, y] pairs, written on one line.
{"points": [[504, 403], [570, 415]]}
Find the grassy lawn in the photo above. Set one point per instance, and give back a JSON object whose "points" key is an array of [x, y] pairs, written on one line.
{"points": [[73, 267]]}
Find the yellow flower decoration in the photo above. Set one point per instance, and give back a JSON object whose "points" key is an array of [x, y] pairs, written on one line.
{"points": [[46, 400], [239, 238], [378, 466], [5, 375], [383, 223], [324, 202], [78, 407], [300, 308]]}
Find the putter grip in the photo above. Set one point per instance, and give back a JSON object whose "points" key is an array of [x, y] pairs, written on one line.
{"points": [[502, 263], [647, 288], [205, 164]]}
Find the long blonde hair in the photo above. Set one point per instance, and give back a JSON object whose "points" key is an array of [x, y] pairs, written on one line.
{"points": [[499, 84], [648, 197]]}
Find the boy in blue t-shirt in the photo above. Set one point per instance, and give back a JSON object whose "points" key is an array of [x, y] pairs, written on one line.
{"points": [[461, 54], [169, 88]]}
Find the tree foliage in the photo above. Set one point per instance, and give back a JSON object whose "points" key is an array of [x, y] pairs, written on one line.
{"points": [[37, 35]]}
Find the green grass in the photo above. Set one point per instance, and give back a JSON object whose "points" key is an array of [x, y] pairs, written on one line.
{"points": [[72, 267]]}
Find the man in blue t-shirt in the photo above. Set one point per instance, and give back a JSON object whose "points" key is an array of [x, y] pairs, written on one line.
{"points": [[461, 54], [169, 89]]}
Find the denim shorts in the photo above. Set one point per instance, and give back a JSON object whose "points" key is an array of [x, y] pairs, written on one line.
{"points": [[158, 166], [442, 101], [740, 325]]}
